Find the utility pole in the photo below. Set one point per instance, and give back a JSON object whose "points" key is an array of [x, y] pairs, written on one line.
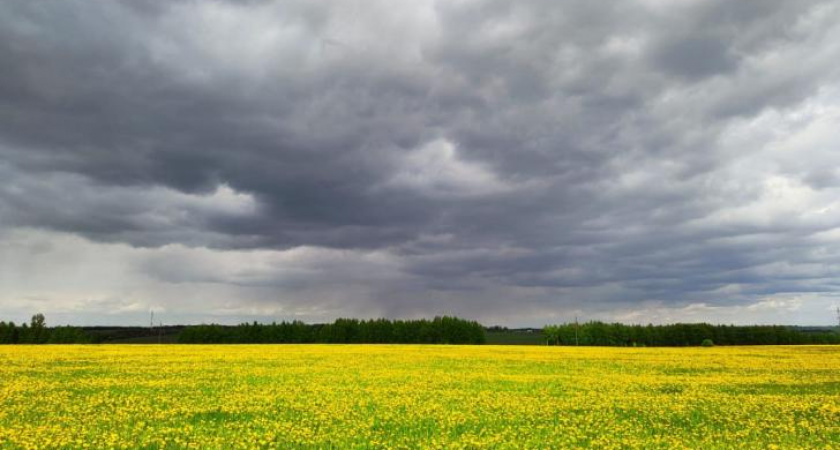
{"points": [[838, 316], [577, 343]]}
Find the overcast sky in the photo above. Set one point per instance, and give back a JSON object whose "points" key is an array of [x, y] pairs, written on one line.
{"points": [[519, 163]]}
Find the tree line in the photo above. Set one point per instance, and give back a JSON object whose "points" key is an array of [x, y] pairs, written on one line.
{"points": [[37, 332], [440, 330], [682, 334]]}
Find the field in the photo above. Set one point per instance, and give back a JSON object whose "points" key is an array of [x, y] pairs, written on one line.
{"points": [[413, 396]]}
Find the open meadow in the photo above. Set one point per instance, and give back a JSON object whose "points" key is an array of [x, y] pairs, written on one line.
{"points": [[416, 396]]}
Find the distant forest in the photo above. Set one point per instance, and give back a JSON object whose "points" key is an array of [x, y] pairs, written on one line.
{"points": [[36, 332], [440, 330], [684, 335]]}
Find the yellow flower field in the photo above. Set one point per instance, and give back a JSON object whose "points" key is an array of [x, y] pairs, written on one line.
{"points": [[414, 396]]}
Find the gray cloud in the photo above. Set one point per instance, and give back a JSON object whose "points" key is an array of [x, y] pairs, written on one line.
{"points": [[510, 162]]}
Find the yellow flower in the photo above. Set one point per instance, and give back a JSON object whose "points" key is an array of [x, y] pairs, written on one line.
{"points": [[414, 396]]}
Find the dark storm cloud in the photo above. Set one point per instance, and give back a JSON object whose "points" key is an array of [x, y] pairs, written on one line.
{"points": [[487, 146]]}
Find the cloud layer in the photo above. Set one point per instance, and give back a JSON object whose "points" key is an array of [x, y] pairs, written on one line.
{"points": [[517, 163]]}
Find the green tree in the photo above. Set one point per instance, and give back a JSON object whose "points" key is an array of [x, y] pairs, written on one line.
{"points": [[8, 333], [38, 332]]}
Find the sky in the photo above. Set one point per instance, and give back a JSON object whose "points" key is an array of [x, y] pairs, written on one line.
{"points": [[517, 163]]}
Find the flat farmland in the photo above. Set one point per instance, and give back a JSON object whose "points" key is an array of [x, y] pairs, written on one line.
{"points": [[415, 396]]}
